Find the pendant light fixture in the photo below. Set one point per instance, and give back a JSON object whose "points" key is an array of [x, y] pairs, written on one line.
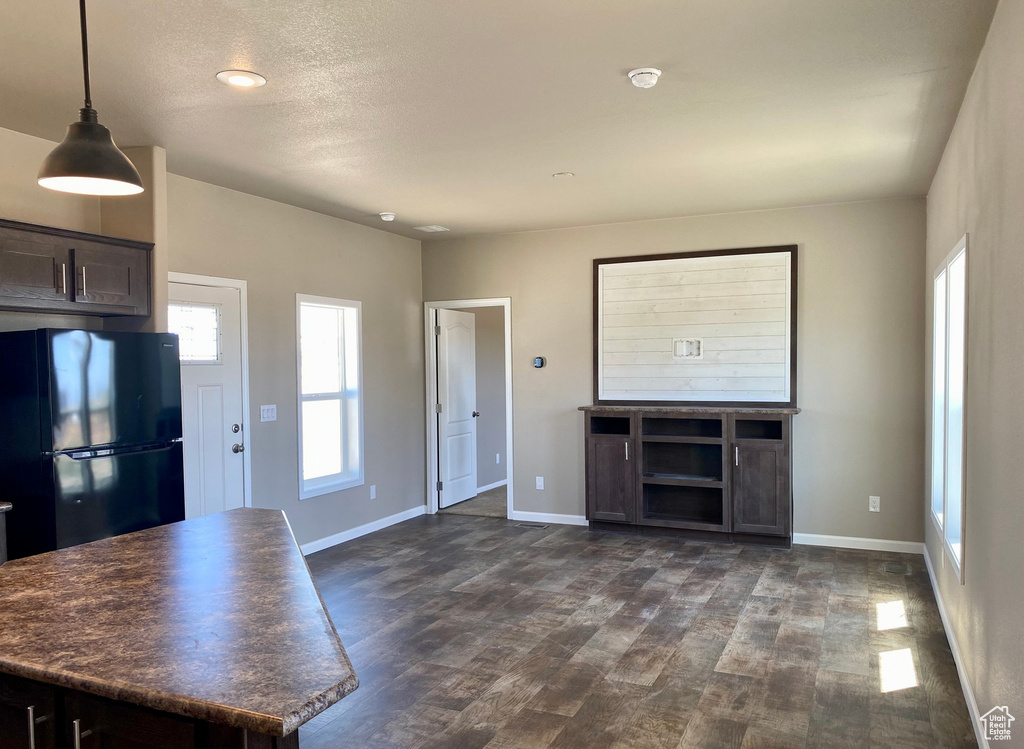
{"points": [[87, 162]]}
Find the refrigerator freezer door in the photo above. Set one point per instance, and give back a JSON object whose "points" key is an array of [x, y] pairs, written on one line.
{"points": [[107, 495], [111, 389]]}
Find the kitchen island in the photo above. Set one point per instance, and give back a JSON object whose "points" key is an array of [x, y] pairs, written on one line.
{"points": [[204, 633]]}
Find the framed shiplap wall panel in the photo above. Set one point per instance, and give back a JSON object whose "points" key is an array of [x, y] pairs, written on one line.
{"points": [[711, 327]]}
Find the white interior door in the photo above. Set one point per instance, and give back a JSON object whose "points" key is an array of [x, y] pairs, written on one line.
{"points": [[208, 322], [456, 392]]}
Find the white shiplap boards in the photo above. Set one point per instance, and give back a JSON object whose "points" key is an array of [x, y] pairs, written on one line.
{"points": [[738, 306]]}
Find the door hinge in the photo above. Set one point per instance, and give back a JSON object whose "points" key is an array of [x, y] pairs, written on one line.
{"points": [[440, 486], [437, 330], [437, 408]]}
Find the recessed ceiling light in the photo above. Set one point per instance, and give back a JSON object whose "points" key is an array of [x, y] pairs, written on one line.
{"points": [[386, 216], [241, 78], [644, 77], [563, 175], [432, 228]]}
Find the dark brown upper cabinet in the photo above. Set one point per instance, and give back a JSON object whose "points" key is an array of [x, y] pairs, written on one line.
{"points": [[45, 269]]}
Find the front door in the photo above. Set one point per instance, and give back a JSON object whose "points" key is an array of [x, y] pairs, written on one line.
{"points": [[208, 321], [456, 393]]}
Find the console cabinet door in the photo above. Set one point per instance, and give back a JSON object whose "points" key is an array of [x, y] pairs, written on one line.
{"points": [[26, 714], [760, 488], [611, 479], [112, 277], [35, 270]]}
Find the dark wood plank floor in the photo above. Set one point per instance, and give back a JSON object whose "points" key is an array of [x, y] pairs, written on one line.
{"points": [[474, 632]]}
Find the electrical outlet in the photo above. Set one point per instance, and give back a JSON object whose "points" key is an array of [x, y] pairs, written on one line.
{"points": [[540, 483], [268, 413], [497, 459], [875, 504], [373, 491]]}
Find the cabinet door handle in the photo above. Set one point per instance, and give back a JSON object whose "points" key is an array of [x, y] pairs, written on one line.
{"points": [[31, 710], [627, 451], [79, 734], [84, 292], [737, 454], [63, 278]]}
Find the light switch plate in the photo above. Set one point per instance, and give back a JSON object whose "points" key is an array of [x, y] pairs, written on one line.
{"points": [[268, 413], [373, 491]]}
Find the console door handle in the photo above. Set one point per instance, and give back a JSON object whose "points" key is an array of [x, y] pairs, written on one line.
{"points": [[627, 450], [31, 710], [79, 734]]}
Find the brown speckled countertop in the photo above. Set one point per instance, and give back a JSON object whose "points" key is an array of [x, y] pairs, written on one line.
{"points": [[684, 409], [214, 618]]}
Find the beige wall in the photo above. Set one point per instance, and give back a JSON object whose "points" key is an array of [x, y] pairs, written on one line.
{"points": [[490, 394], [281, 250], [861, 333], [979, 190]]}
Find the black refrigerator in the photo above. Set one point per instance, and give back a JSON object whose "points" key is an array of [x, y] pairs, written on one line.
{"points": [[90, 436]]}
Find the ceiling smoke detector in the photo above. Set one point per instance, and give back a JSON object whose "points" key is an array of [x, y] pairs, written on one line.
{"points": [[644, 77], [386, 216], [432, 228]]}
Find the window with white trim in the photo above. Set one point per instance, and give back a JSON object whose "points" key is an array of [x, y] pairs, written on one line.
{"points": [[330, 395], [949, 379]]}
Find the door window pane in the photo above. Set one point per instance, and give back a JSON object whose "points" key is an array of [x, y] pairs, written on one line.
{"points": [[198, 329]]}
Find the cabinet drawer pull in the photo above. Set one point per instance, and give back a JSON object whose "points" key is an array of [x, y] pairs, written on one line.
{"points": [[79, 733], [31, 710]]}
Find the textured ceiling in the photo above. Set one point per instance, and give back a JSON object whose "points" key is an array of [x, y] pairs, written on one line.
{"points": [[458, 112]]}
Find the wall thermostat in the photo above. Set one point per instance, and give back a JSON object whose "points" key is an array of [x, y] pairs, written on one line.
{"points": [[539, 361]]}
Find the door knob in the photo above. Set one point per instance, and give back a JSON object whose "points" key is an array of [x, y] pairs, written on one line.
{"points": [[476, 414], [238, 448]]}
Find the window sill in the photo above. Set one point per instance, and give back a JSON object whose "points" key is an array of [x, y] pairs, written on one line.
{"points": [[319, 491]]}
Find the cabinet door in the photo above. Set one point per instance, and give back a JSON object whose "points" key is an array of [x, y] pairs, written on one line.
{"points": [[26, 714], [760, 489], [611, 479], [112, 277], [33, 268], [94, 723]]}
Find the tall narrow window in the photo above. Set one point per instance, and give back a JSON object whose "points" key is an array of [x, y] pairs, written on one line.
{"points": [[949, 382], [330, 395]]}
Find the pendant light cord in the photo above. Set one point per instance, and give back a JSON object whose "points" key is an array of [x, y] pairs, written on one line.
{"points": [[88, 113]]}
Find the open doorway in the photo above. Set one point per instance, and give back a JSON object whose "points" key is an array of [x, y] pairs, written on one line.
{"points": [[469, 407]]}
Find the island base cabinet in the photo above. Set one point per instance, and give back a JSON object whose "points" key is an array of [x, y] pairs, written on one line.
{"points": [[93, 723], [39, 716], [27, 714]]}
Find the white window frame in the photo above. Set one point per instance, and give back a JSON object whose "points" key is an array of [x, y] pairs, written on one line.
{"points": [[329, 484], [939, 521]]}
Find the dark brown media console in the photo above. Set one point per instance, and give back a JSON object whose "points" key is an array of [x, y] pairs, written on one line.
{"points": [[703, 472]]}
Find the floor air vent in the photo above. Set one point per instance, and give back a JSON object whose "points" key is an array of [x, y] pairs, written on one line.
{"points": [[530, 525]]}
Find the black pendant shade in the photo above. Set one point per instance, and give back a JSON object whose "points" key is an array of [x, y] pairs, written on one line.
{"points": [[87, 162]]}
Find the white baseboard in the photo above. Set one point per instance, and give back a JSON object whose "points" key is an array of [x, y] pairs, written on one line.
{"points": [[495, 485], [362, 530], [852, 542], [972, 703], [547, 517]]}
